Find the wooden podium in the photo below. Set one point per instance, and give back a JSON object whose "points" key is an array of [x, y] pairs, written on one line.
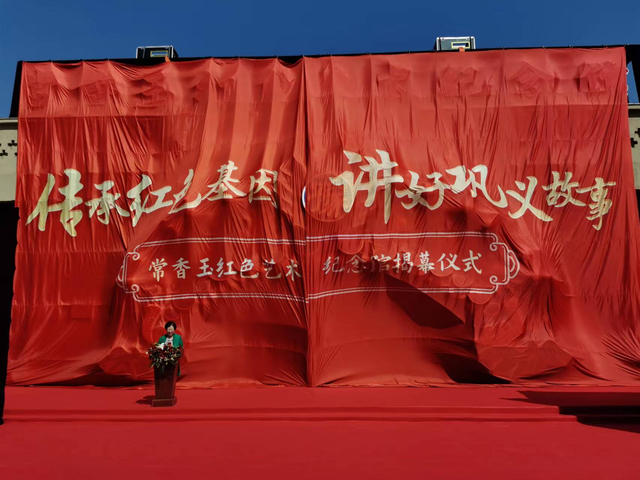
{"points": [[165, 381]]}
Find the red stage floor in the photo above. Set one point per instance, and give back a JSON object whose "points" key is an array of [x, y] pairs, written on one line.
{"points": [[488, 403], [372, 433]]}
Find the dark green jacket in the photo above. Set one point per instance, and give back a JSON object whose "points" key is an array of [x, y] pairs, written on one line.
{"points": [[177, 342]]}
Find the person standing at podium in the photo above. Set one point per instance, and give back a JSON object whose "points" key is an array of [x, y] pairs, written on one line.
{"points": [[171, 338]]}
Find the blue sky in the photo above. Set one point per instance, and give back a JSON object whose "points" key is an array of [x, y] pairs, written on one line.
{"points": [[43, 30]]}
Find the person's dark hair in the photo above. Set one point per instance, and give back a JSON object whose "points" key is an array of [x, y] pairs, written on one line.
{"points": [[170, 324]]}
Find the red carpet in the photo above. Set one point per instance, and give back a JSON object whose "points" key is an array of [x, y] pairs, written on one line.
{"points": [[295, 433]]}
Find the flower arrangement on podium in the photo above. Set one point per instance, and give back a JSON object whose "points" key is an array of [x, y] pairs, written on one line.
{"points": [[164, 356]]}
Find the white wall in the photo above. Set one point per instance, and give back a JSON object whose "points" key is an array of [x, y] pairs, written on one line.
{"points": [[8, 157]]}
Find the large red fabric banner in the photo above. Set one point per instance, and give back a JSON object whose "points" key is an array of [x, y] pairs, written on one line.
{"points": [[372, 220]]}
